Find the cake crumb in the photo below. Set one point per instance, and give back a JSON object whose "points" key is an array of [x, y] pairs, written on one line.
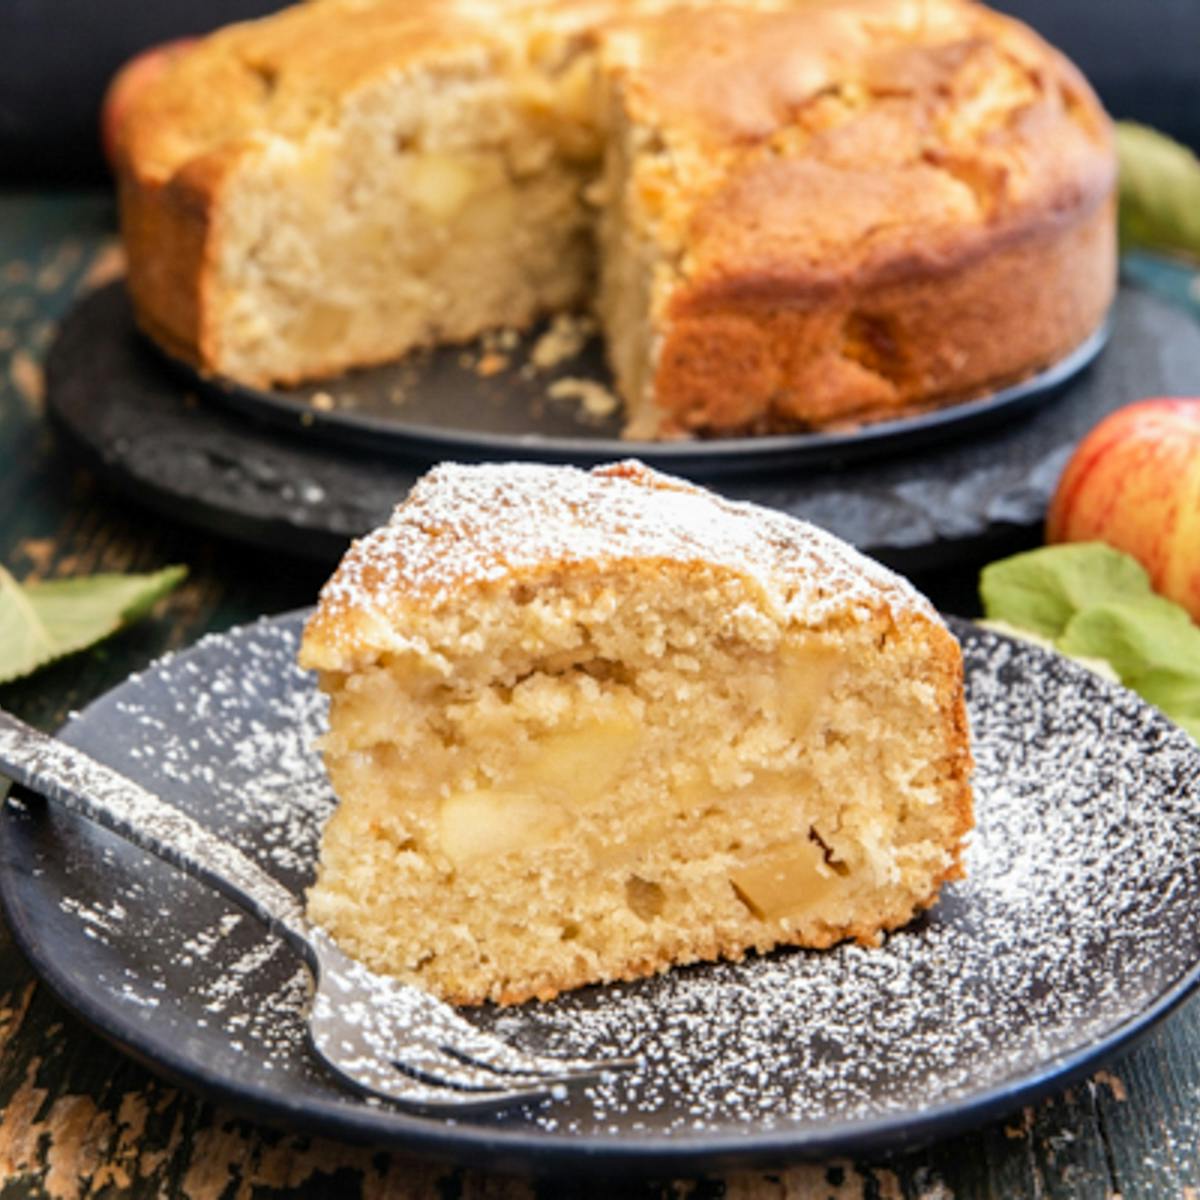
{"points": [[491, 363], [322, 401], [567, 335], [594, 398]]}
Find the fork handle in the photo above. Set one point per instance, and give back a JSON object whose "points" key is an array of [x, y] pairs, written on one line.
{"points": [[90, 789]]}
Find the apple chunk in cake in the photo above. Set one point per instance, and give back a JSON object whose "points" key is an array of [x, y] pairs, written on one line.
{"points": [[584, 726]]}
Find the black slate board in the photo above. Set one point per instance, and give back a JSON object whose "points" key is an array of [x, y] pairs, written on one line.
{"points": [[113, 399]]}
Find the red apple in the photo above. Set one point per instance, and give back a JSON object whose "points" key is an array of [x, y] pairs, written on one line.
{"points": [[132, 78], [1134, 482]]}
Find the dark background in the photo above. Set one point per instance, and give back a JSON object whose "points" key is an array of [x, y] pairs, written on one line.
{"points": [[57, 55]]}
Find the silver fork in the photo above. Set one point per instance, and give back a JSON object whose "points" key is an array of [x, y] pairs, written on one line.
{"points": [[378, 1035]]}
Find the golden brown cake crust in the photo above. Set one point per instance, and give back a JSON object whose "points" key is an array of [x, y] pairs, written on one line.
{"points": [[879, 207], [752, 362], [868, 206]]}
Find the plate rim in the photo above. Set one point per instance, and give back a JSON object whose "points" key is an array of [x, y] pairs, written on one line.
{"points": [[350, 431], [526, 1149], [199, 463]]}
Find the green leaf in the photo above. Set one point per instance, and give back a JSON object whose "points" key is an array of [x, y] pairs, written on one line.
{"points": [[1098, 666], [1042, 590], [41, 622], [1175, 692], [1137, 637], [1159, 191], [1095, 604]]}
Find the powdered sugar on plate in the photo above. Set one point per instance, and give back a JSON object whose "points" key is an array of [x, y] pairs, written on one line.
{"points": [[1079, 912]]}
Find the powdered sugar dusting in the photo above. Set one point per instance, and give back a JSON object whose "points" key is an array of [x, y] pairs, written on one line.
{"points": [[1079, 911], [469, 525]]}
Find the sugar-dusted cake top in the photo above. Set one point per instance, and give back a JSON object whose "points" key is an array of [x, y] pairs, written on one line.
{"points": [[944, 83], [463, 528]]}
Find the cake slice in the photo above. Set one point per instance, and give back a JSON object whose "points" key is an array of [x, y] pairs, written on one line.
{"points": [[585, 726]]}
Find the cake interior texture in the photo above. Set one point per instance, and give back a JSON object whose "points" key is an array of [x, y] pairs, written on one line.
{"points": [[786, 214], [445, 200], [569, 776]]}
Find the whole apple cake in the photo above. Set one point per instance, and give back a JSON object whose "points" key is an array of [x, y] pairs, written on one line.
{"points": [[585, 726], [787, 214]]}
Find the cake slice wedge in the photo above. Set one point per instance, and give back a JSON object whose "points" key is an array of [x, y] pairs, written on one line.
{"points": [[588, 725]]}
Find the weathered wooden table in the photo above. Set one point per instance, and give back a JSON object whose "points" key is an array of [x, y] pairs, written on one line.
{"points": [[78, 1119]]}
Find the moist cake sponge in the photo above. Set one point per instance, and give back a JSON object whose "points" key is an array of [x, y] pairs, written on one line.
{"points": [[587, 725]]}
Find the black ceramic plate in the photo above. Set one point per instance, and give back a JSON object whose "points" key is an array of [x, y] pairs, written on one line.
{"points": [[1078, 926], [437, 404], [114, 402]]}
